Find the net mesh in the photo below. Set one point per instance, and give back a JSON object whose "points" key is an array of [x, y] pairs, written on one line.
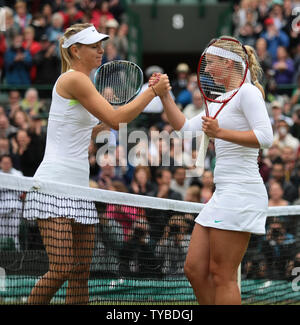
{"points": [[110, 247]]}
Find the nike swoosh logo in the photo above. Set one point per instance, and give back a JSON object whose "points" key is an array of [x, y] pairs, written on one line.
{"points": [[217, 221]]}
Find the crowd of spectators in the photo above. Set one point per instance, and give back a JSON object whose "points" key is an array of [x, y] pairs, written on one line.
{"points": [[29, 55]]}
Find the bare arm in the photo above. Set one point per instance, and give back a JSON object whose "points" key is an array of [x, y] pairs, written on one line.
{"points": [[175, 117], [77, 85]]}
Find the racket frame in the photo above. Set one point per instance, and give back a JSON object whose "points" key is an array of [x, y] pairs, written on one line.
{"points": [[121, 62], [205, 139]]}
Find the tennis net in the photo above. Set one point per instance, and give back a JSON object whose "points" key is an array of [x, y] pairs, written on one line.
{"points": [[131, 248]]}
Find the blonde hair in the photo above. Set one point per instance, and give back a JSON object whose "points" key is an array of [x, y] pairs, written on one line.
{"points": [[254, 66], [65, 54]]}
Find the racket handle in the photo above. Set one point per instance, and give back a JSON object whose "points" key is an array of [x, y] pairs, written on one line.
{"points": [[202, 153]]}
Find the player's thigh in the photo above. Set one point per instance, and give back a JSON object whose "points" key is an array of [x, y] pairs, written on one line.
{"points": [[227, 249], [197, 259]]}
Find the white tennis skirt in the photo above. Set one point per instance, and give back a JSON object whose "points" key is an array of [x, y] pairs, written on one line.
{"points": [[238, 207]]}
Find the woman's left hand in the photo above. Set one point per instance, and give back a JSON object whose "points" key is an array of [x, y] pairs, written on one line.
{"points": [[210, 126]]}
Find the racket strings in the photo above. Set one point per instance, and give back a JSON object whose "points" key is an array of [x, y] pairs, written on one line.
{"points": [[118, 81], [222, 70]]}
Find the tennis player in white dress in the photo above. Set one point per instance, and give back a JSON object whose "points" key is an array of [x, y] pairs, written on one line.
{"points": [[66, 227], [239, 204]]}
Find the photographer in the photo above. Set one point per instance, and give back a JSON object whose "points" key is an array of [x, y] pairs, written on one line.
{"points": [[137, 256], [172, 247], [278, 248], [17, 63]]}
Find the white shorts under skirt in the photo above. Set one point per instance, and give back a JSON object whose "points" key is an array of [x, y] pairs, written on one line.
{"points": [[238, 207], [43, 206]]}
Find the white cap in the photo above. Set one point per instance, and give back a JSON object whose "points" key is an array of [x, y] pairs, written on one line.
{"points": [[89, 35]]}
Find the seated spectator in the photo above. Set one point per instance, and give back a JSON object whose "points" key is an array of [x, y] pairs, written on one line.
{"points": [[276, 195], [290, 193], [55, 31], [247, 34], [172, 247], [274, 37], [283, 137], [163, 177], [283, 67], [101, 15], [289, 157], [13, 105], [30, 151], [71, 14], [40, 25], [295, 98], [277, 114], [179, 182], [185, 96], [21, 120], [47, 64], [109, 240], [181, 80], [141, 183], [121, 40], [31, 104], [278, 248], [17, 63], [33, 47], [6, 166], [137, 255], [196, 107], [11, 27], [22, 17], [264, 58], [107, 172], [123, 169], [6, 129], [193, 194], [110, 52]]}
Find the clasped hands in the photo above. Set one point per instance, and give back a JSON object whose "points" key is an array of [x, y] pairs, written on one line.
{"points": [[209, 125]]}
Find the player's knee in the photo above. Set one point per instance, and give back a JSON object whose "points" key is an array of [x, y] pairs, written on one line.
{"points": [[220, 274]]}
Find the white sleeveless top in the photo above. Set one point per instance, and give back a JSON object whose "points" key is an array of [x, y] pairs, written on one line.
{"points": [[68, 137]]}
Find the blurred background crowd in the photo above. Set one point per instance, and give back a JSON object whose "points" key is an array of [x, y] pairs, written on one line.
{"points": [[29, 56]]}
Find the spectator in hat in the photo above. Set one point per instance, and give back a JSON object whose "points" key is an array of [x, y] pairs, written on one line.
{"points": [[283, 137], [181, 80], [274, 37], [277, 114]]}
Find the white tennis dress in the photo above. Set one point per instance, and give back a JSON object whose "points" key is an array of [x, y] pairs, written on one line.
{"points": [[65, 161], [240, 200]]}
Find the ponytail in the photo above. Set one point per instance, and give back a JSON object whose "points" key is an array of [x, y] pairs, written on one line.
{"points": [[255, 68]]}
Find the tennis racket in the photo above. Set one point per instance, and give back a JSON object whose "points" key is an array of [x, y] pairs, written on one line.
{"points": [[119, 81], [222, 70]]}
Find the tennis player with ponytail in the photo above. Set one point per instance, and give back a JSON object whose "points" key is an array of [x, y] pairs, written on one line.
{"points": [[75, 110], [236, 117]]}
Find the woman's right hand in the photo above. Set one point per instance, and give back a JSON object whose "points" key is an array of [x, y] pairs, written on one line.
{"points": [[161, 84]]}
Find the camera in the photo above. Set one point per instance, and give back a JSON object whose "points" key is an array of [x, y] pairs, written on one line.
{"points": [[174, 229], [276, 233]]}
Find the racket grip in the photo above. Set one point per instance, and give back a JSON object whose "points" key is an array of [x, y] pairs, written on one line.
{"points": [[202, 153]]}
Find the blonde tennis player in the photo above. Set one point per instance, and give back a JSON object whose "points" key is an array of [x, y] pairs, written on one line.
{"points": [[239, 204], [75, 110]]}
